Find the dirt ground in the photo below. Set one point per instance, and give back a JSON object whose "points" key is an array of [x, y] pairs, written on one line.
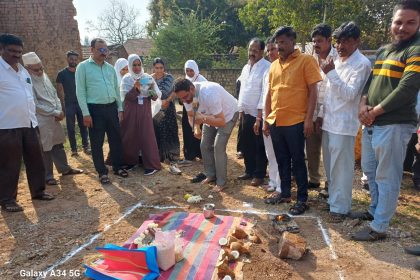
{"points": [[46, 232]]}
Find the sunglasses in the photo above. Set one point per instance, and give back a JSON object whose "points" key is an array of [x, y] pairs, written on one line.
{"points": [[103, 50]]}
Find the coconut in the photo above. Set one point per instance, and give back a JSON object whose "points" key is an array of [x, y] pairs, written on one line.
{"points": [[239, 233], [223, 241], [235, 254]]}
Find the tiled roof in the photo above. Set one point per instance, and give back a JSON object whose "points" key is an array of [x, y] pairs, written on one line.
{"points": [[142, 47]]}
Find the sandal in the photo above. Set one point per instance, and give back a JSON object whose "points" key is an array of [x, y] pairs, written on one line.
{"points": [[277, 199], [299, 208], [51, 182], [73, 171], [208, 180], [104, 180], [121, 172], [44, 196], [217, 189], [11, 207], [198, 178]]}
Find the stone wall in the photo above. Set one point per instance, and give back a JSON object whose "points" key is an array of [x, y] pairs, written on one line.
{"points": [[225, 77], [47, 27]]}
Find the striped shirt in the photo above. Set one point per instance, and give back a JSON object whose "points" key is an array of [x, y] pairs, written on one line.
{"points": [[395, 82]]}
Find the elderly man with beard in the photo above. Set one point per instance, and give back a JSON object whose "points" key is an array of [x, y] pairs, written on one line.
{"points": [[66, 88], [49, 114], [19, 134], [388, 111]]}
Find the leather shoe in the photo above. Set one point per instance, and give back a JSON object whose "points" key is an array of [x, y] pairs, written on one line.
{"points": [[368, 234], [366, 216], [245, 176], [413, 250], [313, 185], [257, 182]]}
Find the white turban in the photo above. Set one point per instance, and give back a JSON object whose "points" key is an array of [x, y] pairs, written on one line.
{"points": [[30, 58]]}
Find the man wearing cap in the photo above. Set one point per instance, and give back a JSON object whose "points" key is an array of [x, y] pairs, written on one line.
{"points": [[49, 114], [99, 98], [19, 134], [66, 86]]}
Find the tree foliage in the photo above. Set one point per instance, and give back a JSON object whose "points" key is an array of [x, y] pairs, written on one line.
{"points": [[117, 23], [373, 17], [222, 12], [186, 36]]}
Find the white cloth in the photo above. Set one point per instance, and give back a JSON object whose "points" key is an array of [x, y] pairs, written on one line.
{"points": [[119, 65], [322, 84], [17, 104], [191, 64], [214, 99], [250, 95], [30, 58], [146, 81], [48, 106], [264, 90], [273, 168], [342, 94]]}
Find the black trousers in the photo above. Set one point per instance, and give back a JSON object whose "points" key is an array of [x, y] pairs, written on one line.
{"points": [[15, 144], [191, 144], [289, 148], [105, 120], [253, 149]]}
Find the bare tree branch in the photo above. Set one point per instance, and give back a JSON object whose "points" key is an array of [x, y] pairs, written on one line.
{"points": [[117, 23]]}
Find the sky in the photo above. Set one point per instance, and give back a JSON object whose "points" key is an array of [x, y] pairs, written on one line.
{"points": [[91, 9]]}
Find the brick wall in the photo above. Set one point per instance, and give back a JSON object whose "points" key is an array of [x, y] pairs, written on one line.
{"points": [[47, 27]]}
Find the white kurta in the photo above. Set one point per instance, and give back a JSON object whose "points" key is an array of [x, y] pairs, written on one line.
{"points": [[48, 106]]}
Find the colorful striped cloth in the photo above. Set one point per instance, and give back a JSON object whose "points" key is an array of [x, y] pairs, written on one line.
{"points": [[201, 241]]}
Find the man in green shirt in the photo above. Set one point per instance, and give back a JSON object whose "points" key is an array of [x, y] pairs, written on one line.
{"points": [[389, 115], [98, 96]]}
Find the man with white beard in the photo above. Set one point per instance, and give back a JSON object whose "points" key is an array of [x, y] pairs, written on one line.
{"points": [[49, 114]]}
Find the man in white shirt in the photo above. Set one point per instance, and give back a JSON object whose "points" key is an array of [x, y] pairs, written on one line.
{"points": [[218, 112], [19, 134], [347, 75], [274, 183], [323, 51], [250, 116]]}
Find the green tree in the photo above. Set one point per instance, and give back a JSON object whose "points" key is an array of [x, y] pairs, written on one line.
{"points": [[184, 37], [222, 12], [373, 17]]}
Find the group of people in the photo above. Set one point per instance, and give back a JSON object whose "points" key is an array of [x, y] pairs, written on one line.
{"points": [[305, 103], [287, 102]]}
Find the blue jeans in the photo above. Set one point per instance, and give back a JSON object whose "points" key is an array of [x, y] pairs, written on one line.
{"points": [[339, 167], [289, 148], [383, 152], [72, 111]]}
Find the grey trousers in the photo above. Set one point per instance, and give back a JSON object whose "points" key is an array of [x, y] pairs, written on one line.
{"points": [[57, 155], [213, 150], [313, 155]]}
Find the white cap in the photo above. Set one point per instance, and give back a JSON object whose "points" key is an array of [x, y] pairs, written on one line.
{"points": [[30, 58]]}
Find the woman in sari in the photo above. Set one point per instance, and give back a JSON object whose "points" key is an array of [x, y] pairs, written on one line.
{"points": [[138, 135], [166, 126]]}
